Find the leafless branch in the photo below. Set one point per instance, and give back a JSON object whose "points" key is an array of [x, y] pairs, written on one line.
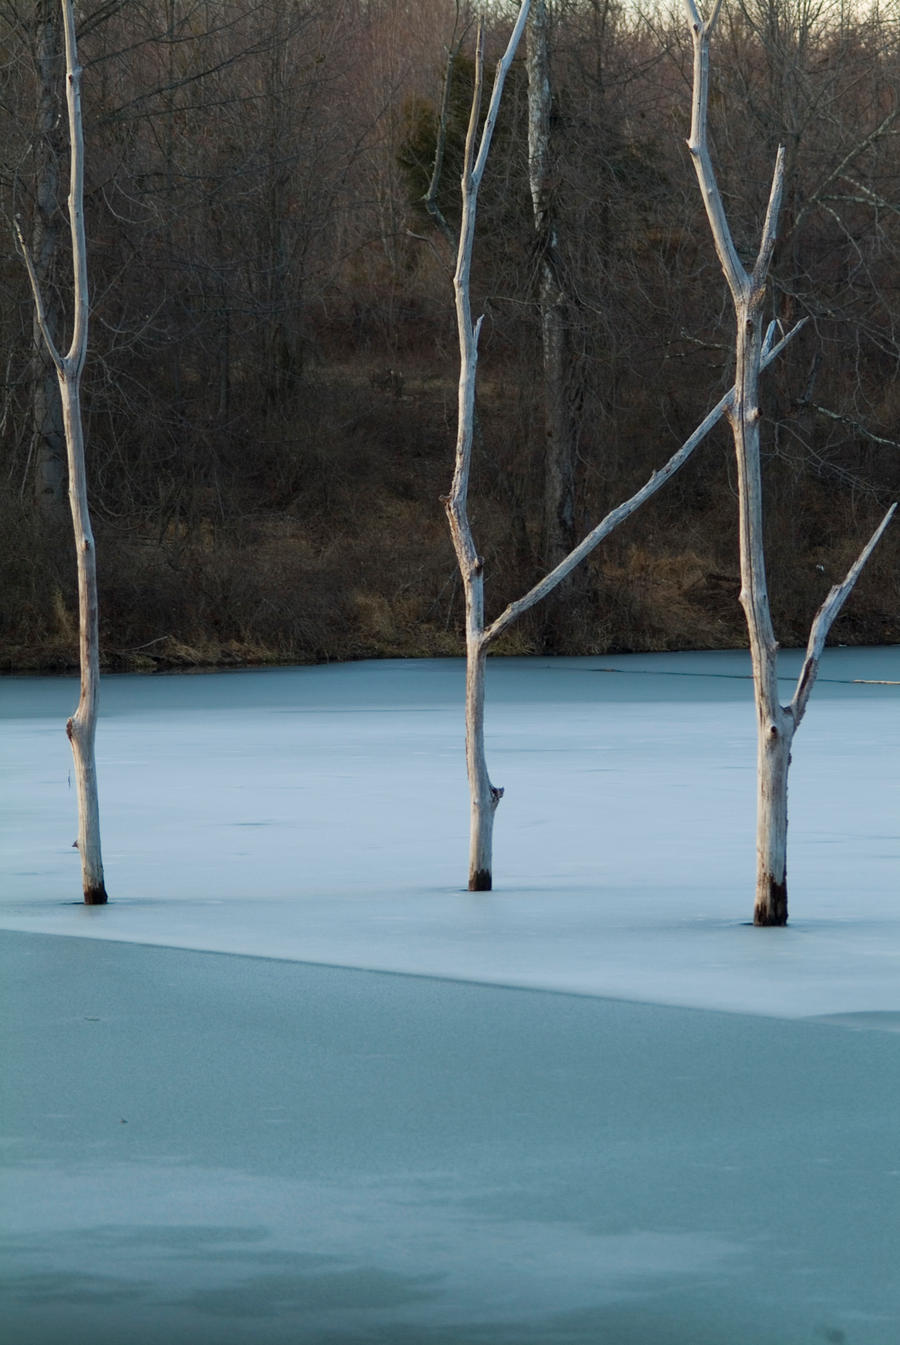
{"points": [[825, 618], [624, 511]]}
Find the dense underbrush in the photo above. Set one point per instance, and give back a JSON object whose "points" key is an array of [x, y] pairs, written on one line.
{"points": [[336, 547]]}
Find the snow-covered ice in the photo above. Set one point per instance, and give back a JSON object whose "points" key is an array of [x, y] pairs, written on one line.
{"points": [[697, 1147]]}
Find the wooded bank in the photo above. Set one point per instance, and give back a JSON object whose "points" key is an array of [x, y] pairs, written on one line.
{"points": [[270, 392]]}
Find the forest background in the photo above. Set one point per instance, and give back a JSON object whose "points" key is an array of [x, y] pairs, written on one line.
{"points": [[270, 393]]}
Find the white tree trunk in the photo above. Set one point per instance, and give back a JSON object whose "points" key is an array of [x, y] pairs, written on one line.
{"points": [[483, 795], [775, 735], [81, 728], [776, 723]]}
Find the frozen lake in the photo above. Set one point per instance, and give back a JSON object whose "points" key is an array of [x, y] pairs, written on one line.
{"points": [[321, 814], [213, 1140]]}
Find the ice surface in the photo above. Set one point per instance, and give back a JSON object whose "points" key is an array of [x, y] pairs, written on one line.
{"points": [[320, 814], [246, 1150], [225, 1149]]}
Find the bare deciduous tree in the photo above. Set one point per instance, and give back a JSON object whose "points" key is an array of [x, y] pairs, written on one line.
{"points": [[776, 723], [81, 728]]}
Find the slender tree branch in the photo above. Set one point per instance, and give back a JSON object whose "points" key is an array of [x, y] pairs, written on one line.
{"points": [[623, 511], [39, 309], [735, 273], [429, 200], [882, 127], [853, 425], [825, 618], [866, 197], [503, 65], [770, 226], [469, 153]]}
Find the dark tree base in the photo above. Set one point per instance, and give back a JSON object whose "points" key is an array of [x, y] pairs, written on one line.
{"points": [[95, 896], [775, 911], [480, 881]]}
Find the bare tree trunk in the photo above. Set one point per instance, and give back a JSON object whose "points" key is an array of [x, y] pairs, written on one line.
{"points": [[81, 728], [558, 531], [773, 759], [484, 796], [776, 723]]}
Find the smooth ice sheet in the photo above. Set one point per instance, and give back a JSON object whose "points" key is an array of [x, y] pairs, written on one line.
{"points": [[199, 1148], [320, 814]]}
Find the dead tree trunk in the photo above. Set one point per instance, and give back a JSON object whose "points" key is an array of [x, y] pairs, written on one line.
{"points": [[81, 728], [776, 723], [484, 795], [558, 528]]}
